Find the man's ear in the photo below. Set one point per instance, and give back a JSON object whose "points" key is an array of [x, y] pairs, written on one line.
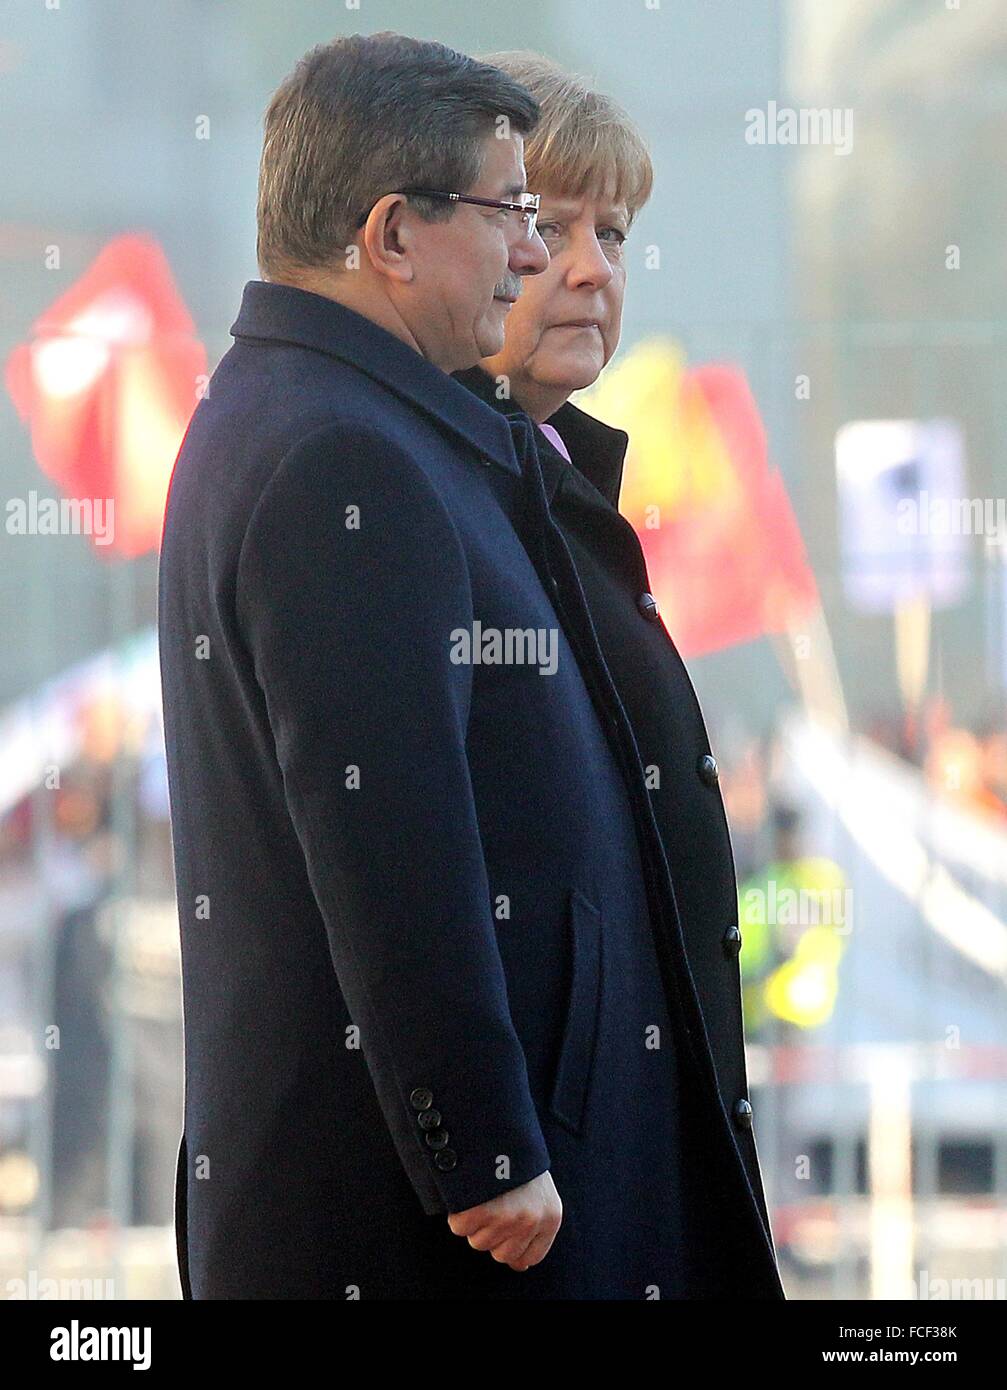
{"points": [[387, 238]]}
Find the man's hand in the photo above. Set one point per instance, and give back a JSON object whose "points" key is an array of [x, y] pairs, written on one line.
{"points": [[518, 1227]]}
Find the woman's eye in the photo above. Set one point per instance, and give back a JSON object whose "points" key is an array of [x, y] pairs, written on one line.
{"points": [[547, 229], [618, 236]]}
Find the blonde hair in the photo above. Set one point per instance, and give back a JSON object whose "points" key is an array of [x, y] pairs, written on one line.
{"points": [[584, 142]]}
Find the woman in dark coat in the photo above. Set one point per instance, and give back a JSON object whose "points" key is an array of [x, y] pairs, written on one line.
{"points": [[593, 173]]}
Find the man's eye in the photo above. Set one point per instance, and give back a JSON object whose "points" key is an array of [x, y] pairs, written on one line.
{"points": [[618, 236], [548, 229]]}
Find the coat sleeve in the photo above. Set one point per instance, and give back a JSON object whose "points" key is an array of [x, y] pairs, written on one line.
{"points": [[350, 581]]}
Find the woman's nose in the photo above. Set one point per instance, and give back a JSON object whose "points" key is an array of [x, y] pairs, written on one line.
{"points": [[589, 265]]}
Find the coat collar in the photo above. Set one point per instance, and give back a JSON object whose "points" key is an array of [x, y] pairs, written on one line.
{"points": [[286, 314], [596, 450]]}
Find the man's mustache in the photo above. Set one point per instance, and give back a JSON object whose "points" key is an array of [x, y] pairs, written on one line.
{"points": [[508, 288]]}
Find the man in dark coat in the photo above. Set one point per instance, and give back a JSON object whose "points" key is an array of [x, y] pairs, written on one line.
{"points": [[431, 974]]}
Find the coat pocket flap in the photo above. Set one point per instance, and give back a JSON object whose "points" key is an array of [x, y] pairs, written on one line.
{"points": [[576, 1057]]}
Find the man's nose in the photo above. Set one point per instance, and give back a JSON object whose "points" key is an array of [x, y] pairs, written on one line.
{"points": [[529, 255]]}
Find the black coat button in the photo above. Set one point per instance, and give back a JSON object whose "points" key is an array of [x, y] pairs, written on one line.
{"points": [[648, 606], [731, 941], [428, 1119], [437, 1138], [743, 1114], [446, 1160], [422, 1098], [707, 769]]}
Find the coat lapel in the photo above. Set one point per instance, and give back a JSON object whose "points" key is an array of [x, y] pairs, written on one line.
{"points": [[597, 451]]}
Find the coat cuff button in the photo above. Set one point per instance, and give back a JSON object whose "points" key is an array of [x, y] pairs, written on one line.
{"points": [[437, 1138], [743, 1114], [731, 941], [421, 1098], [707, 769], [648, 606], [446, 1160]]}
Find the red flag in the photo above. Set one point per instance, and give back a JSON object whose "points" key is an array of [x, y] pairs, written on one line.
{"points": [[108, 382], [725, 556]]}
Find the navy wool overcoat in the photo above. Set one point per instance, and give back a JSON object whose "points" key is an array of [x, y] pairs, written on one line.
{"points": [[432, 943]]}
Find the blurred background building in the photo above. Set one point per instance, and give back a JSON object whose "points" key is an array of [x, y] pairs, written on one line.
{"points": [[812, 374]]}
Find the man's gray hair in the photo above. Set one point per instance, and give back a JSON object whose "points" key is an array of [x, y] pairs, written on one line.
{"points": [[368, 115]]}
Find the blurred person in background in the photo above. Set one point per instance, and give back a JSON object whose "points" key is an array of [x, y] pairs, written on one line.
{"points": [[592, 169], [78, 864], [793, 916], [22, 907], [993, 743]]}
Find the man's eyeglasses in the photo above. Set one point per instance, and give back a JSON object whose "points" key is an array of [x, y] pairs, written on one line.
{"points": [[527, 205]]}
